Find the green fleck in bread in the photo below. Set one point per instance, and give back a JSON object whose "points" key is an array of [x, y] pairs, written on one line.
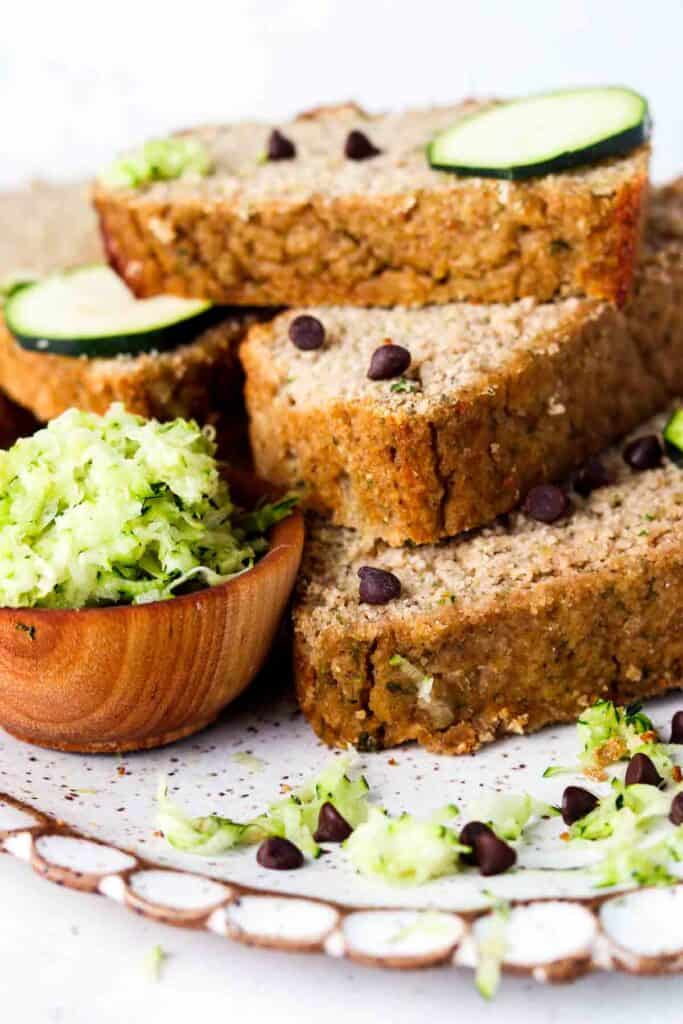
{"points": [[321, 228], [502, 631], [496, 398]]}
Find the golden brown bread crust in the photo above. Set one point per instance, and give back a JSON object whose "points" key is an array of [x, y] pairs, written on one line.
{"points": [[439, 242], [401, 472], [194, 381], [379, 251]]}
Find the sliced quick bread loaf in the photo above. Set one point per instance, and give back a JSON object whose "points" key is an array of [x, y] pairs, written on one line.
{"points": [[196, 380], [321, 227], [500, 631], [495, 398]]}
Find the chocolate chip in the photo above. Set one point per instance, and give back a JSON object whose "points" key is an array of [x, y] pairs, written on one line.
{"points": [[677, 728], [642, 771], [546, 503], [332, 827], [676, 812], [590, 477], [388, 361], [377, 586], [468, 837], [576, 804], [359, 147], [643, 453], [280, 147], [493, 855], [279, 854], [307, 333]]}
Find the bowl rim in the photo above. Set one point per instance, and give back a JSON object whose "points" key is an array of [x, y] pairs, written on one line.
{"points": [[286, 539]]}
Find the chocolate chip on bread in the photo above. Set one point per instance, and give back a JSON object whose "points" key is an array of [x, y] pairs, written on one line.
{"points": [[501, 631], [343, 207], [412, 425]]}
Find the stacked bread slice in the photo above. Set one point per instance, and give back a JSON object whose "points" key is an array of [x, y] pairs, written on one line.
{"points": [[495, 398], [457, 353], [521, 622]]}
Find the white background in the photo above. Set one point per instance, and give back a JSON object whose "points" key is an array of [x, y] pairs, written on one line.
{"points": [[79, 81]]}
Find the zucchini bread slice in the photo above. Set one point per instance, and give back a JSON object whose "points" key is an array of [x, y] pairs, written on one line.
{"points": [[195, 380], [501, 631], [494, 400], [325, 221]]}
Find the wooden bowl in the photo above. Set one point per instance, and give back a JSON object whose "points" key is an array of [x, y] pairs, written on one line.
{"points": [[130, 677]]}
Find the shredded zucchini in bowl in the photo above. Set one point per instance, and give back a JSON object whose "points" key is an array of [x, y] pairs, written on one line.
{"points": [[115, 509]]}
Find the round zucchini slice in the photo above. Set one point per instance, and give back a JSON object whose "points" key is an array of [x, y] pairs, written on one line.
{"points": [[90, 312], [543, 134]]}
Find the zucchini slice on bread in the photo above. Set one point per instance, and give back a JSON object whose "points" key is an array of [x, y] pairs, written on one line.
{"points": [[89, 311], [543, 134]]}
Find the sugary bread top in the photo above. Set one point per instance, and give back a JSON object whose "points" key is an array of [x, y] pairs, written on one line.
{"points": [[242, 177]]}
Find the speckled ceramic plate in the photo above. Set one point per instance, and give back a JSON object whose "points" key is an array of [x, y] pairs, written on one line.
{"points": [[88, 822]]}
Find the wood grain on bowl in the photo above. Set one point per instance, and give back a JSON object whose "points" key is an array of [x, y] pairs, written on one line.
{"points": [[139, 676]]}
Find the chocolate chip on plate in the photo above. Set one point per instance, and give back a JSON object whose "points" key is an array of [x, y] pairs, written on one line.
{"points": [[388, 361], [677, 728], [468, 837], [642, 771], [576, 804], [676, 812], [280, 147], [307, 333], [546, 503], [332, 826], [359, 147], [493, 855], [643, 453], [590, 477], [279, 854], [377, 586]]}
